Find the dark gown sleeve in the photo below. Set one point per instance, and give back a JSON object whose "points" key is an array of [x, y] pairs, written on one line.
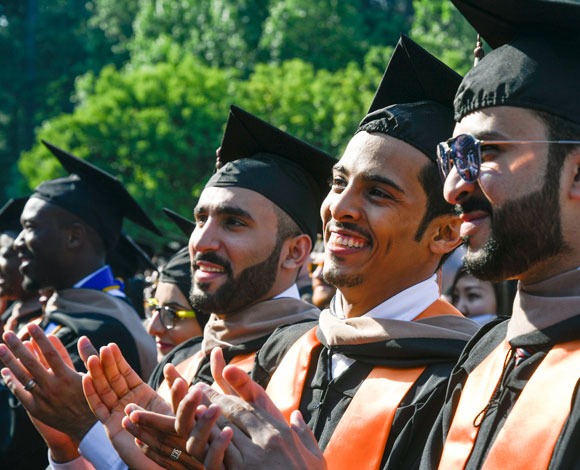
{"points": [[484, 341], [100, 329]]}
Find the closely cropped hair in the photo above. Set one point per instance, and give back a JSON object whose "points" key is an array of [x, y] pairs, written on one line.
{"points": [[558, 129], [432, 184], [287, 228]]}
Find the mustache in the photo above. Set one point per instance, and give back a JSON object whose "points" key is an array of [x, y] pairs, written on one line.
{"points": [[351, 227], [214, 258], [474, 204]]}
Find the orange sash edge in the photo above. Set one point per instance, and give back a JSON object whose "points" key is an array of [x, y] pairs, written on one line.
{"points": [[187, 369], [549, 392], [361, 435], [541, 410], [439, 308], [287, 382], [475, 396]]}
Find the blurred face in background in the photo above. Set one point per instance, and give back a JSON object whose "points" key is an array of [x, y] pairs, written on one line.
{"points": [[171, 320], [473, 297], [322, 292], [10, 276]]}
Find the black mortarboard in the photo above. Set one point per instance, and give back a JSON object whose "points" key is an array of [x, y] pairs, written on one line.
{"points": [[94, 195], [10, 215], [292, 174], [535, 64], [178, 271], [184, 224], [414, 101], [128, 258]]}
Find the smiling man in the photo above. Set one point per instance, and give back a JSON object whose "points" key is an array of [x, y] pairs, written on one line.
{"points": [[256, 221], [513, 170], [370, 376], [386, 230]]}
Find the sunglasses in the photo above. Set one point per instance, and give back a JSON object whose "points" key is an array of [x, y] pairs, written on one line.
{"points": [[168, 316], [464, 151]]}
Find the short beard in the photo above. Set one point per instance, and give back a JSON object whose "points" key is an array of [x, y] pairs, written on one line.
{"points": [[335, 277], [524, 232], [251, 284]]}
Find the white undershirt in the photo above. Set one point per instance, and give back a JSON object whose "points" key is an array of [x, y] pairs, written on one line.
{"points": [[405, 306]]}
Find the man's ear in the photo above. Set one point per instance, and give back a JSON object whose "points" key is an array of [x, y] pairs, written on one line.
{"points": [[445, 236], [574, 192], [75, 233], [297, 251]]}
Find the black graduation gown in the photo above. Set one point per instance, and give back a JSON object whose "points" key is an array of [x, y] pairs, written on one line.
{"points": [[111, 321], [567, 452], [324, 401]]}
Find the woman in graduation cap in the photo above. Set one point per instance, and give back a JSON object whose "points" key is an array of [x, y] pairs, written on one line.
{"points": [[171, 318]]}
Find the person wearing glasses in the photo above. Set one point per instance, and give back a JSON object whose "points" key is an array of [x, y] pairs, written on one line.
{"points": [[171, 319], [370, 376], [512, 168]]}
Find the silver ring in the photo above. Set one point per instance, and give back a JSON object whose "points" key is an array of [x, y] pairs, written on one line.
{"points": [[175, 454], [30, 385]]}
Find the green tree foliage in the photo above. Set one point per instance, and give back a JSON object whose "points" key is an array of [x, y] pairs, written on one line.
{"points": [[155, 127], [327, 33], [443, 31], [224, 33], [115, 19], [44, 46]]}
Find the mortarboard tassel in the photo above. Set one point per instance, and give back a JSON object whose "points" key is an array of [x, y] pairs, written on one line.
{"points": [[478, 52]]}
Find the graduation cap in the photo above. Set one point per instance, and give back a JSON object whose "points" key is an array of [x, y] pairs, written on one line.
{"points": [[184, 224], [414, 101], [178, 271], [128, 258], [534, 63], [10, 215], [94, 195], [289, 172]]}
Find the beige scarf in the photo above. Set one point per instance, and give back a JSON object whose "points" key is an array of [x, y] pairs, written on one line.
{"points": [[363, 330], [254, 322], [546, 303], [73, 301]]}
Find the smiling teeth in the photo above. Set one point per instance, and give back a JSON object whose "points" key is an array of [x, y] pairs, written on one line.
{"points": [[349, 242], [207, 269]]}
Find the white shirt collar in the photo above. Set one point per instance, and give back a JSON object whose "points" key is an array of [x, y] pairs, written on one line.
{"points": [[405, 305], [292, 292]]}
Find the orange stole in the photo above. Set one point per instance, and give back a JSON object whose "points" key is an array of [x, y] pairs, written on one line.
{"points": [[188, 370], [529, 435], [362, 433]]}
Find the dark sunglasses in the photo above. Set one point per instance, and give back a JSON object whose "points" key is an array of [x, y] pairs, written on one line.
{"points": [[464, 151], [168, 316]]}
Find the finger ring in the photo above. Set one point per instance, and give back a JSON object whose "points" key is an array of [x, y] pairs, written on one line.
{"points": [[175, 454], [30, 385]]}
